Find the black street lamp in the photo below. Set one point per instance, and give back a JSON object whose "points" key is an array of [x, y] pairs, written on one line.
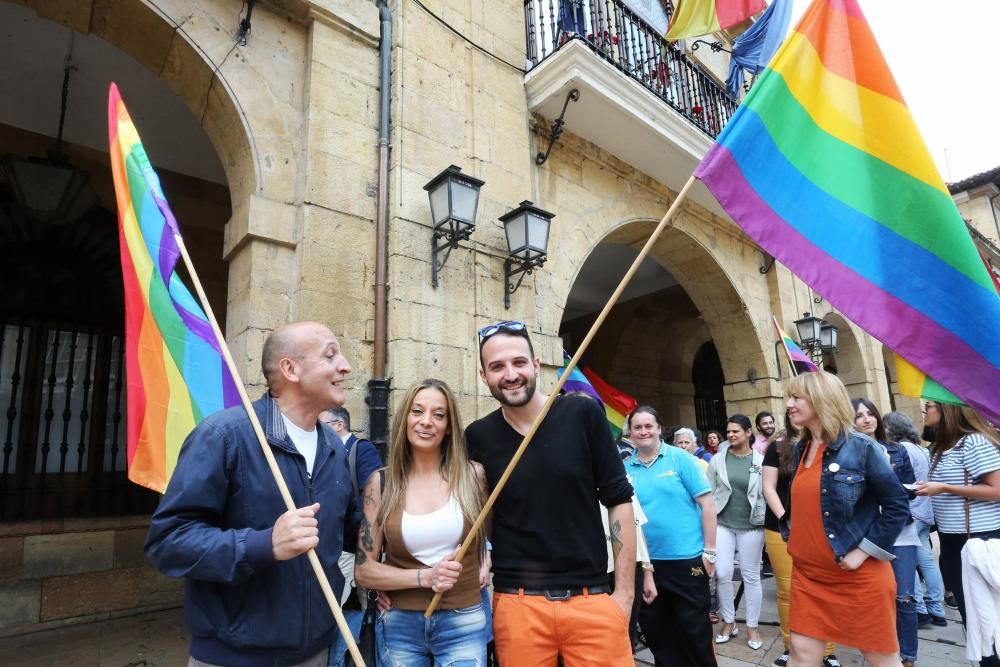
{"points": [[454, 200], [527, 232]]}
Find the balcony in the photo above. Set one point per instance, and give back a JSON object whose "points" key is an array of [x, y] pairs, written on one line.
{"points": [[640, 99]]}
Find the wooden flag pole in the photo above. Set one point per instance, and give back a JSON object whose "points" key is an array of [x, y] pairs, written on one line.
{"points": [[470, 538], [781, 338], [317, 567]]}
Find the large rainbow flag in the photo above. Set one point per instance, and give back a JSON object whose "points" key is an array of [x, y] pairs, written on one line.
{"points": [[617, 404], [693, 18], [175, 372], [823, 167]]}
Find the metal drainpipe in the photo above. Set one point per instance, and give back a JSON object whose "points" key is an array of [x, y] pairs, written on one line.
{"points": [[378, 385]]}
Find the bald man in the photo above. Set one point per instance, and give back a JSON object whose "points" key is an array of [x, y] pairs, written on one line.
{"points": [[251, 597]]}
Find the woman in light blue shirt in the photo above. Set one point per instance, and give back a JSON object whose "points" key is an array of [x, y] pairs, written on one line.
{"points": [[680, 535]]}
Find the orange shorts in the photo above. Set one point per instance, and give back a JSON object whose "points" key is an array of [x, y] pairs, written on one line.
{"points": [[586, 630]]}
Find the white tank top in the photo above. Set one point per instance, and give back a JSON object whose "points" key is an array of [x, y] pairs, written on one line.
{"points": [[430, 537]]}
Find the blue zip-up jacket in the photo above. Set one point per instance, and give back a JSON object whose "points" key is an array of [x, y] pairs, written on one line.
{"points": [[213, 527], [862, 501]]}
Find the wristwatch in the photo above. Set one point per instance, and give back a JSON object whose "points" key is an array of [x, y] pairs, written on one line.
{"points": [[709, 555]]}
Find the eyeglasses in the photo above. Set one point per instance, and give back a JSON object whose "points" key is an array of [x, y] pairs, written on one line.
{"points": [[509, 325], [929, 406]]}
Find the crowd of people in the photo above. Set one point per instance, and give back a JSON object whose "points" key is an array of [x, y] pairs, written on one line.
{"points": [[589, 549]]}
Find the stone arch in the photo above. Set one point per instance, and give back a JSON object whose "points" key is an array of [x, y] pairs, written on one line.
{"points": [[249, 102], [174, 50], [848, 361], [718, 313]]}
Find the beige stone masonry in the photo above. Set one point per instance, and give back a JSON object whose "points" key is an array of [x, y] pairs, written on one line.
{"points": [[69, 553]]}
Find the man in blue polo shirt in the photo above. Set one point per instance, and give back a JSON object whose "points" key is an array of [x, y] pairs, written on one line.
{"points": [[677, 500]]}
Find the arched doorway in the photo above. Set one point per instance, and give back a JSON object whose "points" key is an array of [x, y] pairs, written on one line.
{"points": [[680, 338], [847, 362], [62, 395], [709, 389]]}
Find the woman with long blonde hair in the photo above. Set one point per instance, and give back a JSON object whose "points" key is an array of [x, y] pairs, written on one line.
{"points": [[845, 509], [431, 497]]}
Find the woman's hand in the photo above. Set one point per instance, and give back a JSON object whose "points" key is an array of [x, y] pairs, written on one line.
{"points": [[853, 559], [930, 488], [648, 587], [443, 576], [383, 601], [709, 567], [484, 570]]}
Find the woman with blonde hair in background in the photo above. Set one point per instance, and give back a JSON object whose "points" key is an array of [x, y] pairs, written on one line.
{"points": [[845, 509], [431, 498]]}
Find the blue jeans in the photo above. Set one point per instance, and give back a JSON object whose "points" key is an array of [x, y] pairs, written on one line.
{"points": [[449, 638], [932, 602], [904, 567]]}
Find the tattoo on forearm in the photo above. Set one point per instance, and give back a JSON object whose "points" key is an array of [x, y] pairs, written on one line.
{"points": [[369, 498], [616, 540], [367, 540], [360, 558]]}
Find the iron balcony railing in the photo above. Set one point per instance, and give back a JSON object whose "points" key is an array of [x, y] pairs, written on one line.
{"points": [[618, 35]]}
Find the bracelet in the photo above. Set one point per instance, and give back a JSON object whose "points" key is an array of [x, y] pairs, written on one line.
{"points": [[708, 551], [418, 579], [648, 567]]}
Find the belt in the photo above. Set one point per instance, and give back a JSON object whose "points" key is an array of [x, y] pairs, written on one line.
{"points": [[555, 593]]}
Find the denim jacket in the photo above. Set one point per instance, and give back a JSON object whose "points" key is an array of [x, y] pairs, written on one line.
{"points": [[863, 503], [213, 527]]}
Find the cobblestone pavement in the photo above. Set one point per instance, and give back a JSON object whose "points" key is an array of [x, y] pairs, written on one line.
{"points": [[159, 640], [939, 647]]}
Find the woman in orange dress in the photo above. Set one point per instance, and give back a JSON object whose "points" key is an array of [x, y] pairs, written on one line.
{"points": [[845, 509]]}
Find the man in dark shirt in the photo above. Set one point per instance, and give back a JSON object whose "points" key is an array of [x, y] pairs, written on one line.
{"points": [[549, 546]]}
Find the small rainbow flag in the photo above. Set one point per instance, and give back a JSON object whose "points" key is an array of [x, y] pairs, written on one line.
{"points": [[175, 372], [617, 404], [693, 18], [798, 360], [823, 167]]}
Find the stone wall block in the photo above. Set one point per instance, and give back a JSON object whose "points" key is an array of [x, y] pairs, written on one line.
{"points": [[21, 604], [74, 15], [11, 558], [335, 92], [129, 548], [93, 593], [68, 553], [135, 28], [344, 54], [340, 184]]}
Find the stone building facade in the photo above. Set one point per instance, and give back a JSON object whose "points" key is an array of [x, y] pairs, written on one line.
{"points": [[286, 224]]}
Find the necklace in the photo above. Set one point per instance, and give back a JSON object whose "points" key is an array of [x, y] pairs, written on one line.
{"points": [[648, 462], [740, 456]]}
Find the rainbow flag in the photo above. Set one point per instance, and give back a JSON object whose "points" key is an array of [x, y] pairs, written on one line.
{"points": [[175, 372], [823, 167], [798, 360], [693, 18], [617, 404]]}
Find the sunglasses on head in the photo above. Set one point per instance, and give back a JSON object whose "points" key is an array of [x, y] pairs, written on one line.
{"points": [[509, 325]]}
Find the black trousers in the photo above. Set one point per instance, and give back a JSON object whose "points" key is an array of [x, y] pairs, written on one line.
{"points": [[676, 625], [951, 572]]}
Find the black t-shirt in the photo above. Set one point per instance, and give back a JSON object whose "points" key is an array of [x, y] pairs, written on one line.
{"points": [[547, 528], [772, 460]]}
